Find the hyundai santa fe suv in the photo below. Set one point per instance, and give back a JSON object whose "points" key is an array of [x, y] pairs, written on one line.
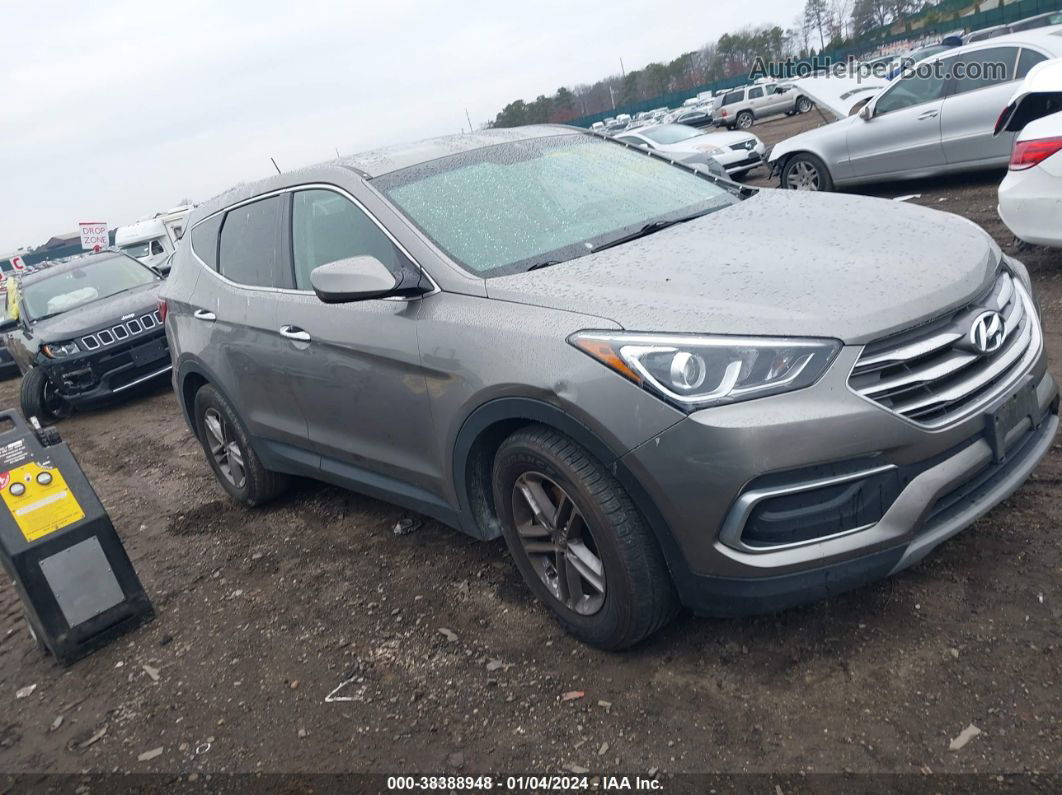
{"points": [[545, 335]]}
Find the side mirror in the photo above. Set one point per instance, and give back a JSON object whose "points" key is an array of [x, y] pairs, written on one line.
{"points": [[866, 113], [354, 279], [7, 325]]}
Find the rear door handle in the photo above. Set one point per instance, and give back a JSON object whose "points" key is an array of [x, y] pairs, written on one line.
{"points": [[203, 314], [294, 333], [929, 114]]}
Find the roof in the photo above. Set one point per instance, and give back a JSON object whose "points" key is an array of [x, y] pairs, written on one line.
{"points": [[392, 158], [69, 265], [139, 231]]}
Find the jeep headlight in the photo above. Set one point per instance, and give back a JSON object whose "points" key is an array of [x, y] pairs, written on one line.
{"points": [[694, 372], [56, 350]]}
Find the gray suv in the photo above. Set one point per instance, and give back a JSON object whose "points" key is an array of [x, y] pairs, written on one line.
{"points": [[743, 107], [542, 334]]}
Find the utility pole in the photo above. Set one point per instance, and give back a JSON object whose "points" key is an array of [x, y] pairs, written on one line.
{"points": [[612, 97], [469, 120], [622, 70]]}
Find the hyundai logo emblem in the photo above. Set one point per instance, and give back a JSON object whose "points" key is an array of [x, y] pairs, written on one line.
{"points": [[987, 332]]}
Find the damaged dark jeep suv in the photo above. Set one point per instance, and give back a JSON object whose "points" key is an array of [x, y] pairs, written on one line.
{"points": [[85, 331]]}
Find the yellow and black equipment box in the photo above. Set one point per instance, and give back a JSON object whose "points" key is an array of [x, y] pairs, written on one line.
{"points": [[57, 543]]}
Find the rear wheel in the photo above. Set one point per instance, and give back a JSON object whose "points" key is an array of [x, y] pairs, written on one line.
{"points": [[578, 540], [229, 452], [805, 171], [745, 120], [39, 398], [803, 104]]}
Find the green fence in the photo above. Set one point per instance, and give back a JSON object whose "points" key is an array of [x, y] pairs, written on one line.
{"points": [[941, 19]]}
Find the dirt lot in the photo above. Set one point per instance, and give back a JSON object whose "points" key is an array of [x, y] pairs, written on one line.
{"points": [[306, 636]]}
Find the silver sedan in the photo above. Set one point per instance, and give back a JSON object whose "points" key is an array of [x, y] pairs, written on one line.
{"points": [[938, 118], [737, 152]]}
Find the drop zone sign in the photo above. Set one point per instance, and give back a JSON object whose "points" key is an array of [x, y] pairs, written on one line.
{"points": [[94, 235]]}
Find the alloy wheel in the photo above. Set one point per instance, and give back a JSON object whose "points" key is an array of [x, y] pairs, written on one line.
{"points": [[558, 543], [802, 176], [804, 105], [224, 448], [745, 122]]}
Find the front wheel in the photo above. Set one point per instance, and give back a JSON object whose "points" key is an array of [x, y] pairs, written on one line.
{"points": [[579, 542], [39, 398], [805, 171]]}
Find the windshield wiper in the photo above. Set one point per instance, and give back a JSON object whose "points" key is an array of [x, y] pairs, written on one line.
{"points": [[648, 229], [544, 264]]}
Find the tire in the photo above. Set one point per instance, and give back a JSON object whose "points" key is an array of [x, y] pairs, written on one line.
{"points": [[229, 452], [804, 105], [805, 171], [39, 399], [745, 120], [628, 594]]}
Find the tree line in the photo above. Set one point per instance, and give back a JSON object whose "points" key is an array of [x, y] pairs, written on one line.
{"points": [[822, 26]]}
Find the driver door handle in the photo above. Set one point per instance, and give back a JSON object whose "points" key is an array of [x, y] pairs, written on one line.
{"points": [[203, 314], [929, 114], [294, 333]]}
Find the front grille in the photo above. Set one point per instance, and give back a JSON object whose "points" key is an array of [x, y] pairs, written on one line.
{"points": [[121, 331], [931, 376]]}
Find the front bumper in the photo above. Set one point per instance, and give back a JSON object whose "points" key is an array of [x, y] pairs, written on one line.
{"points": [[698, 473], [91, 378], [741, 160]]}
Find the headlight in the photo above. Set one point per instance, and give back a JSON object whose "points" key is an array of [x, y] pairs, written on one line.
{"points": [[55, 350], [695, 372]]}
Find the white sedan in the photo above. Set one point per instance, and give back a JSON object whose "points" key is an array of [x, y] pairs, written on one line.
{"points": [[1030, 198], [737, 152]]}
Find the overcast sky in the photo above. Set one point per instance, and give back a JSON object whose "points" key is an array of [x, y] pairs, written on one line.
{"points": [[114, 110]]}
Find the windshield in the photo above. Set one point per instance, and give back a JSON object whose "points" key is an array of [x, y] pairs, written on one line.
{"points": [[672, 133], [137, 250], [505, 208], [96, 279]]}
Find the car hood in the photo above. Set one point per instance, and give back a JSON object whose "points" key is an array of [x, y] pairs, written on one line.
{"points": [[779, 263], [98, 314], [838, 94]]}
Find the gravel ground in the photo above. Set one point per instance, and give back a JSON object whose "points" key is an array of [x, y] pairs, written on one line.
{"points": [[307, 636]]}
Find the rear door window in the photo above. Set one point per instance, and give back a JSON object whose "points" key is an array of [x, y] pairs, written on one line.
{"points": [[984, 68], [1026, 61], [326, 227], [250, 250], [755, 93]]}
